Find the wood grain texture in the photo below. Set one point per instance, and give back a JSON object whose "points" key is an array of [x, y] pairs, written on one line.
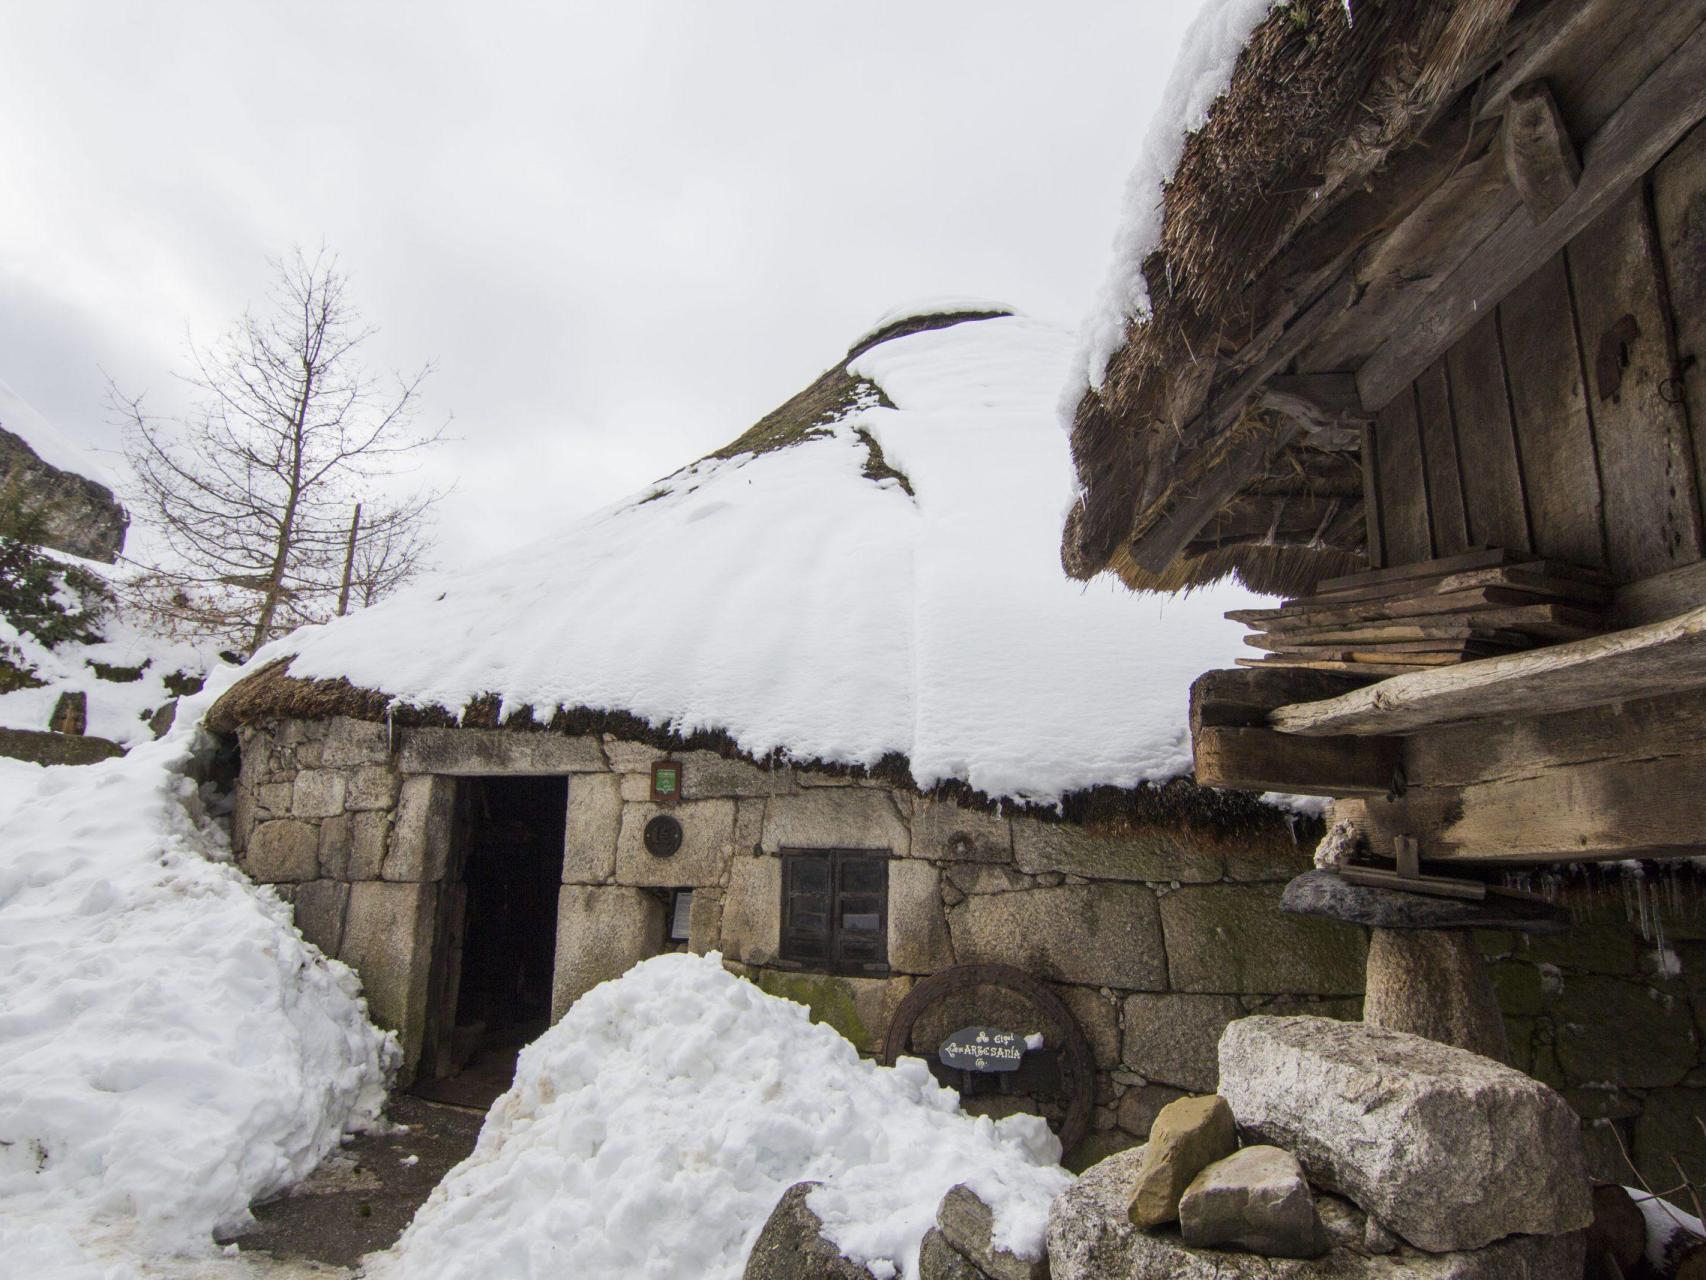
{"points": [[1445, 473], [1679, 208], [1403, 483], [1646, 460], [1651, 661], [1539, 155], [1548, 396], [1495, 501], [1262, 760]]}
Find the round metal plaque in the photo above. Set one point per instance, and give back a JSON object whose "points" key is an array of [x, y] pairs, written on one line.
{"points": [[663, 836]]}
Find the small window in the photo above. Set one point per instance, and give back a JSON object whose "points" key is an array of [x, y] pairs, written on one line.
{"points": [[835, 905]]}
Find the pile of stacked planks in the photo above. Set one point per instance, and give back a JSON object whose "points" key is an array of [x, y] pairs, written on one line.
{"points": [[1387, 622]]}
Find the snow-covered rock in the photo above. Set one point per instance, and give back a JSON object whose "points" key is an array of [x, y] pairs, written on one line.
{"points": [[800, 604], [650, 1133]]}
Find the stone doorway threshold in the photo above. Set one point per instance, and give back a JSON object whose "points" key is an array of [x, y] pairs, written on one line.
{"points": [[363, 1195]]}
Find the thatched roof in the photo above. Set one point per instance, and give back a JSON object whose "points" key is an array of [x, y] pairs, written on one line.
{"points": [[837, 588], [1339, 121]]}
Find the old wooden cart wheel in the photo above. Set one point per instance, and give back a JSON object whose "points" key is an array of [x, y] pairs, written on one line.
{"points": [[1078, 1068]]}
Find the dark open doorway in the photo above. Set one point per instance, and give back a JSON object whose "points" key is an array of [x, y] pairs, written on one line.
{"points": [[497, 936]]}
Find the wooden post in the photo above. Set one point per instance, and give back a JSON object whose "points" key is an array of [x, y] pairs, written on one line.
{"points": [[349, 561]]}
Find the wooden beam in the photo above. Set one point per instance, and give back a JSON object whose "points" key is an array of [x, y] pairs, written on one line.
{"points": [[1650, 661], [1262, 760], [1325, 407], [1613, 809], [1650, 121], [1540, 156], [1241, 698], [1664, 595]]}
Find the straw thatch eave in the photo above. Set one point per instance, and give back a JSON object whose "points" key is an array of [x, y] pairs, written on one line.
{"points": [[271, 694], [1331, 132]]}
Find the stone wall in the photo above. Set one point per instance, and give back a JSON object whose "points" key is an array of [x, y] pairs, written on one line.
{"points": [[1155, 938]]}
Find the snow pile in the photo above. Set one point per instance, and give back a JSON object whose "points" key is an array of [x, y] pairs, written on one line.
{"points": [[1200, 75], [650, 1132], [792, 601], [170, 1048]]}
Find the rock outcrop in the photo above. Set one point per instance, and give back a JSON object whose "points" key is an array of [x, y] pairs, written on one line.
{"points": [[1449, 1149], [77, 515]]}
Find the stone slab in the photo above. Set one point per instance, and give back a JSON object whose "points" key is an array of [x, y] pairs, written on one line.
{"points": [[1090, 1238], [1154, 855], [835, 818], [319, 793], [706, 775], [947, 832], [602, 932], [1448, 1149], [1256, 1200], [355, 742], [388, 935], [283, 851], [593, 823], [752, 910], [1100, 935], [968, 1224], [1231, 939], [1322, 893], [419, 847], [708, 829], [495, 752], [918, 940], [320, 906], [1174, 1038], [791, 1245]]}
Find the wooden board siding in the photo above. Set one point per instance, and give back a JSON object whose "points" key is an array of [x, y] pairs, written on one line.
{"points": [[1403, 482], [1679, 206], [1571, 420], [1439, 452]]}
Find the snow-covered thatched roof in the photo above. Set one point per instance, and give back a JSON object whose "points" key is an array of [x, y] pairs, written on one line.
{"points": [[868, 577]]}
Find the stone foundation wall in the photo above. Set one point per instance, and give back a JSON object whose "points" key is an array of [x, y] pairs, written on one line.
{"points": [[1155, 938]]}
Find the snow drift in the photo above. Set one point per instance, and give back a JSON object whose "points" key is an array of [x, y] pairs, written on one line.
{"points": [[170, 1048], [796, 603], [650, 1132]]}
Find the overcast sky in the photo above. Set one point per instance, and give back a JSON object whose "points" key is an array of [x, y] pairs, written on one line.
{"points": [[622, 231]]}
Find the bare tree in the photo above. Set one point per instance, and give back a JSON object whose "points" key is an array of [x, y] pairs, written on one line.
{"points": [[252, 491]]}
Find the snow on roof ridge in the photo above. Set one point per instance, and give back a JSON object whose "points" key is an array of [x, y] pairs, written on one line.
{"points": [[944, 305]]}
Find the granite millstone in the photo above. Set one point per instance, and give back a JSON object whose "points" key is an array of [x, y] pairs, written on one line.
{"points": [[1090, 1238], [1188, 1136], [1255, 1199], [1322, 893], [1448, 1149]]}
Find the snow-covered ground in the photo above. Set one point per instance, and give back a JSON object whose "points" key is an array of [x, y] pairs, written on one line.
{"points": [[799, 605], [170, 1048], [651, 1131]]}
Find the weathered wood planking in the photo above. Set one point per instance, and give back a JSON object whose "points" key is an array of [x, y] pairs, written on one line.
{"points": [[1651, 661], [1604, 809], [1262, 760], [1497, 510], [1650, 120], [1554, 432], [1679, 207], [1646, 460], [1460, 755], [1375, 530], [1662, 596], [1439, 450], [1403, 483]]}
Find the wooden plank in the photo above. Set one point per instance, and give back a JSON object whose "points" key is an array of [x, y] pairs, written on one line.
{"points": [[1679, 209], [1661, 596], [1494, 499], [1510, 604], [1262, 760], [1548, 396], [1403, 483], [1370, 669], [1458, 755], [1646, 460], [1539, 155], [1373, 534], [1660, 111], [1439, 453], [1235, 698], [1657, 659], [1535, 577], [1614, 809], [1478, 559], [1468, 643], [1384, 633]]}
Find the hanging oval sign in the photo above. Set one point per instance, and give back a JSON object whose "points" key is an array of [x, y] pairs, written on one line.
{"points": [[982, 1049]]}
